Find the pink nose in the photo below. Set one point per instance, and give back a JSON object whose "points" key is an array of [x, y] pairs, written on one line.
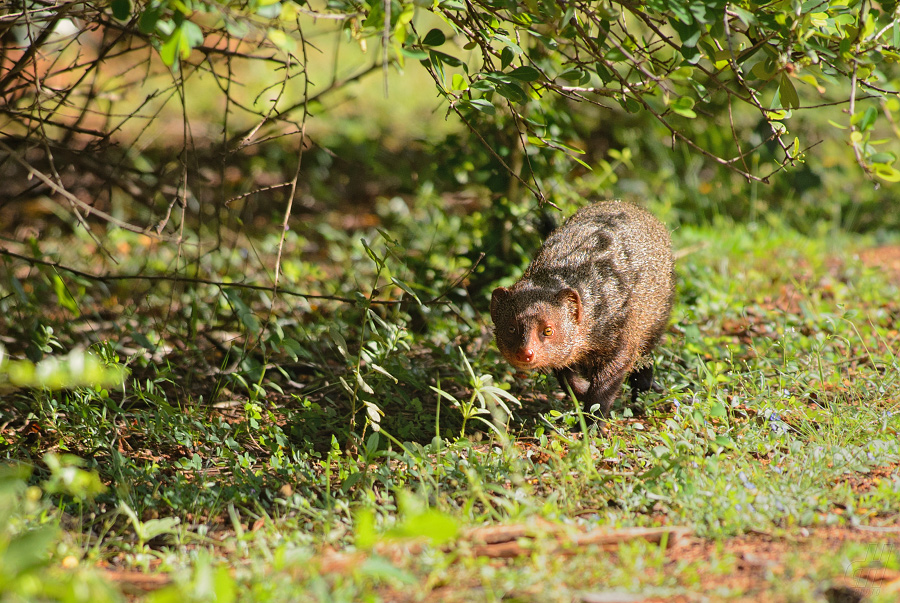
{"points": [[526, 355]]}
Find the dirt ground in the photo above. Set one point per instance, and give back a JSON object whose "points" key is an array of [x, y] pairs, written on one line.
{"points": [[886, 257]]}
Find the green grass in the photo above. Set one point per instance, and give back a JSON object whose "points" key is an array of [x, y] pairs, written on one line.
{"points": [[779, 417]]}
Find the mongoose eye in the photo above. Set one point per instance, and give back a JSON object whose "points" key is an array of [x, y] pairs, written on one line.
{"points": [[512, 330], [548, 331]]}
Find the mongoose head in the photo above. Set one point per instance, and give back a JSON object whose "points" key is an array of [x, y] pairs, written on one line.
{"points": [[537, 328]]}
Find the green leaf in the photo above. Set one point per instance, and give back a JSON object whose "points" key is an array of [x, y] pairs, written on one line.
{"points": [[379, 262], [724, 441], [887, 173], [63, 297], [374, 413], [339, 342], [717, 410], [763, 70], [238, 29], [512, 92], [691, 54], [121, 9], [684, 106], [506, 57], [582, 163], [291, 346], [483, 85], [549, 42], [606, 75], [363, 385], [573, 75], [868, 119], [192, 37], [481, 105], [407, 289], [169, 49], [382, 370], [789, 98], [434, 37], [27, 551], [437, 527], [706, 11], [812, 81], [525, 73], [689, 33], [680, 10], [149, 18], [366, 537], [868, 26], [372, 446], [721, 58], [445, 58], [414, 53], [156, 527], [564, 147], [279, 38], [444, 394], [515, 48], [351, 481], [614, 55], [243, 311], [631, 105], [886, 157], [224, 585], [745, 16]]}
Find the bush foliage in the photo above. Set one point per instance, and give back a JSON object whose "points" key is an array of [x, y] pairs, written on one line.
{"points": [[85, 86]]}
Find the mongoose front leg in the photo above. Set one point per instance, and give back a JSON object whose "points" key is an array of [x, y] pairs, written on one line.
{"points": [[579, 384], [641, 381], [606, 382], [603, 391]]}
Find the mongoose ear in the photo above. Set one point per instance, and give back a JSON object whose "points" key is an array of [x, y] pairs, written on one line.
{"points": [[498, 298], [570, 298]]}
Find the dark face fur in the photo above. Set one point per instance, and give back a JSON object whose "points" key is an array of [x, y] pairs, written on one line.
{"points": [[534, 330]]}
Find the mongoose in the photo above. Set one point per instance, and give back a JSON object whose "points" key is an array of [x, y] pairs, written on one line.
{"points": [[592, 304]]}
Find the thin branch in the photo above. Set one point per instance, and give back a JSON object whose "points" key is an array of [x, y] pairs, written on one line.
{"points": [[245, 136], [36, 44], [290, 197], [73, 199], [292, 184], [174, 278]]}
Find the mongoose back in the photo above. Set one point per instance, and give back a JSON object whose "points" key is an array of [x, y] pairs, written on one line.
{"points": [[592, 304]]}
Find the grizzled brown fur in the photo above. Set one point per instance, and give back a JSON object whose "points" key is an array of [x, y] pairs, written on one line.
{"points": [[592, 304]]}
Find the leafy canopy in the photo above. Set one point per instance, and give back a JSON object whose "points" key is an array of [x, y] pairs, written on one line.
{"points": [[677, 60]]}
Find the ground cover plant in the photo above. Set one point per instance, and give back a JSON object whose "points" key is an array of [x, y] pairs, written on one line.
{"points": [[316, 449]]}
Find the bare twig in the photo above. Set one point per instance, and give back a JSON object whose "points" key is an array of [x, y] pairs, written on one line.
{"points": [[290, 197], [175, 278], [73, 199]]}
